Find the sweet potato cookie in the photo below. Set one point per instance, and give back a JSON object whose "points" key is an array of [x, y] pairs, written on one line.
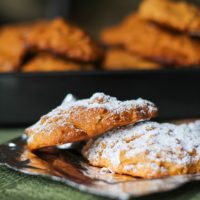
{"points": [[148, 150], [83, 119], [152, 42], [48, 62], [65, 39], [119, 59], [178, 15], [12, 48]]}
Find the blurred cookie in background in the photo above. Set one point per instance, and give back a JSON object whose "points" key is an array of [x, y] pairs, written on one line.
{"points": [[153, 42], [60, 37], [120, 59], [57, 37], [44, 62], [179, 15], [12, 48]]}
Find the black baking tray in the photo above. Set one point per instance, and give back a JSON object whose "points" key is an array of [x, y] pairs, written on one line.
{"points": [[24, 97]]}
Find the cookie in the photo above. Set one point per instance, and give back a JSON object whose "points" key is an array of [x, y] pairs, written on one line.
{"points": [[12, 48], [147, 150], [178, 15], [152, 42], [120, 59], [45, 62], [87, 118], [60, 37]]}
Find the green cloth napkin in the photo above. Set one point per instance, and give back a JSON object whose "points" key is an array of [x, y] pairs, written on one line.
{"points": [[17, 186]]}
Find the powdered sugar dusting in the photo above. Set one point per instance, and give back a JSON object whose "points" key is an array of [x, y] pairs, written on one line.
{"points": [[178, 144], [69, 98], [59, 116], [100, 100]]}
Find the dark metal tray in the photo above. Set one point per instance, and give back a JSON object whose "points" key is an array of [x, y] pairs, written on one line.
{"points": [[25, 97]]}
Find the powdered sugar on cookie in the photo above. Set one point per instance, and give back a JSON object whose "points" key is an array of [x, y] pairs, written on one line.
{"points": [[147, 145], [60, 114], [100, 100], [87, 118]]}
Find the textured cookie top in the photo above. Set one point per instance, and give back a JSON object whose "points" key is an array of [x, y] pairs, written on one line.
{"points": [[65, 39], [100, 100], [97, 101], [151, 142], [93, 116]]}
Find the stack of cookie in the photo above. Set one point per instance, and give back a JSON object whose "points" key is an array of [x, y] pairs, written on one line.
{"points": [[120, 136], [46, 46], [159, 34]]}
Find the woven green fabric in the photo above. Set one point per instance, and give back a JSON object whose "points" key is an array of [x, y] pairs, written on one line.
{"points": [[18, 186]]}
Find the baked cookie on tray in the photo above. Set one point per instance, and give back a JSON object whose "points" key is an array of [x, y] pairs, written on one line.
{"points": [[83, 119], [45, 62], [60, 37], [178, 15], [12, 48], [147, 150], [152, 42], [120, 59], [13, 45]]}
